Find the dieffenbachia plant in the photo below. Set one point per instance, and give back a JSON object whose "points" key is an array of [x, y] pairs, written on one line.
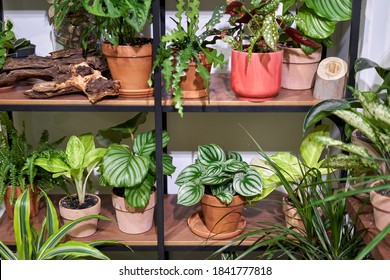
{"points": [[224, 173]]}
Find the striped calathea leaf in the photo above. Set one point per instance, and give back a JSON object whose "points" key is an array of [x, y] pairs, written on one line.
{"points": [[225, 174]]}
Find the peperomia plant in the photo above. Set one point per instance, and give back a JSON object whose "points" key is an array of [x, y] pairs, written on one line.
{"points": [[77, 163], [132, 167], [185, 44], [222, 173]]}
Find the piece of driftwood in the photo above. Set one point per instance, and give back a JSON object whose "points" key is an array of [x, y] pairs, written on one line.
{"points": [[62, 74], [82, 77]]}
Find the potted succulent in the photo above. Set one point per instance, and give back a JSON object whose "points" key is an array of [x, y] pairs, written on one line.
{"points": [[131, 171], [373, 122], [184, 54], [46, 244], [119, 22], [17, 169], [256, 61], [222, 182], [315, 23], [77, 164]]}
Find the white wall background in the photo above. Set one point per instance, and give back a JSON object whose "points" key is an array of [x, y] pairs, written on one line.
{"points": [[273, 131]]}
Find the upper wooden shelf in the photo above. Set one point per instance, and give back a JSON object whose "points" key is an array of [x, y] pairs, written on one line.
{"points": [[365, 221], [222, 99]]}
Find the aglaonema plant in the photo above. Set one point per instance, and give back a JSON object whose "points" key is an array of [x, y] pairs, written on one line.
{"points": [[47, 243]]}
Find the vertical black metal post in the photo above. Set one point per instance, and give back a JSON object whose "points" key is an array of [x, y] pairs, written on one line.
{"points": [[354, 42], [1, 11], [158, 9]]}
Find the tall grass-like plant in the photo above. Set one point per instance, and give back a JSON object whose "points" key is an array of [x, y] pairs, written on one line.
{"points": [[47, 244]]}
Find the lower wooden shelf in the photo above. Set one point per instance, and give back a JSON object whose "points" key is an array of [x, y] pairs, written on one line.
{"points": [[365, 220]]}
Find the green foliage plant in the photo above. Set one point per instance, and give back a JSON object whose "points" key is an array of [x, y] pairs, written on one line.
{"points": [[17, 160], [184, 44], [76, 163], [223, 174], [47, 243], [133, 166]]}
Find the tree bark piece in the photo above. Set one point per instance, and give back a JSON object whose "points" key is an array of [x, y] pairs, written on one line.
{"points": [[331, 79]]}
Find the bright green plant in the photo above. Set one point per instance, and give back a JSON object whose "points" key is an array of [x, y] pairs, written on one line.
{"points": [[17, 156], [117, 21], [132, 167], [77, 163], [184, 44], [46, 244], [224, 174]]}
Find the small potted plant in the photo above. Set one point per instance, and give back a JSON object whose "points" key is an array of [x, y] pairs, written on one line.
{"points": [[222, 182], [77, 164], [315, 22], [17, 169], [118, 22], [185, 55], [131, 171], [256, 61]]}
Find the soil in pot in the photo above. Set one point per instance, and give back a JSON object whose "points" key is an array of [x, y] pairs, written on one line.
{"points": [[92, 205]]}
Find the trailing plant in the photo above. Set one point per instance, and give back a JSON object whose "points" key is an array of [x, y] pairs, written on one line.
{"points": [[117, 21], [17, 160], [185, 44], [8, 41], [47, 243], [76, 163], [222, 174], [315, 22], [133, 166]]}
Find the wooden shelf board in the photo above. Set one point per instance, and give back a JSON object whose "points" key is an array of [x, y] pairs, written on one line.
{"points": [[365, 220]]}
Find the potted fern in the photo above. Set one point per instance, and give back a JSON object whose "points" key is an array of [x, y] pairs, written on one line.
{"points": [[131, 171], [185, 56], [18, 171], [118, 22], [222, 182]]}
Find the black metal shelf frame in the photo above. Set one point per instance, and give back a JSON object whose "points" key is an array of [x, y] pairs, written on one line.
{"points": [[160, 113]]}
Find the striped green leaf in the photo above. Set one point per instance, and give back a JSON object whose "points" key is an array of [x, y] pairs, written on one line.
{"points": [[189, 174], [145, 143], [120, 168], [354, 163], [214, 169], [210, 153], [234, 155], [168, 167], [75, 249], [224, 193], [348, 147], [190, 194], [233, 165], [314, 26], [138, 196], [6, 253], [216, 180], [22, 230], [248, 184], [335, 10]]}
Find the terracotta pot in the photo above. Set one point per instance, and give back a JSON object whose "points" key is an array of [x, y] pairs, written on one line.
{"points": [[131, 65], [291, 216], [381, 206], [219, 217], [34, 201], [193, 83], [133, 220], [299, 69], [260, 78], [85, 228]]}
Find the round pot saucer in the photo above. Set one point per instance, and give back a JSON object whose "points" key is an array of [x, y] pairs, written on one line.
{"points": [[197, 226]]}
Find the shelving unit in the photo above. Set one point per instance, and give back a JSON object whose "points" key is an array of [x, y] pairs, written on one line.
{"points": [[171, 232]]}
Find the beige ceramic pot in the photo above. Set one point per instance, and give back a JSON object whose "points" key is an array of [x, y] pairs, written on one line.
{"points": [[85, 228], [299, 69], [133, 220], [34, 201], [219, 217], [131, 65], [381, 206], [292, 218]]}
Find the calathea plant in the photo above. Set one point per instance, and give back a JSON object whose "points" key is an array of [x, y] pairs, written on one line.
{"points": [[223, 174], [185, 44], [132, 167]]}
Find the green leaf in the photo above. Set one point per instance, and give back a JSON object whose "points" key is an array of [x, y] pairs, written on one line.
{"points": [[6, 253], [248, 184], [138, 196], [75, 152], [335, 10], [270, 31], [210, 153], [224, 193], [74, 249], [190, 194], [120, 168], [54, 164], [233, 166], [191, 173], [93, 157], [314, 26], [22, 229], [311, 149]]}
